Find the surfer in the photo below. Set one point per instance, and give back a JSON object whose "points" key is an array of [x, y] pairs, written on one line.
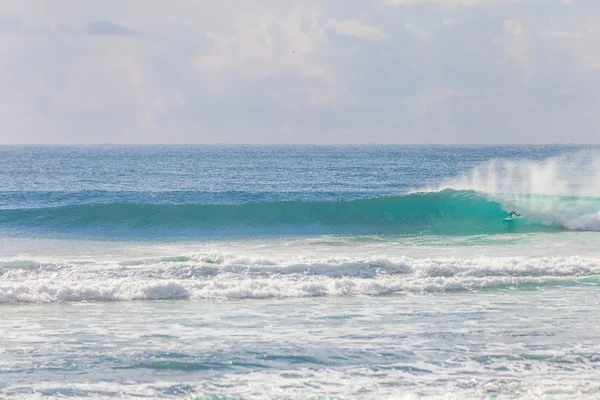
{"points": [[511, 219]]}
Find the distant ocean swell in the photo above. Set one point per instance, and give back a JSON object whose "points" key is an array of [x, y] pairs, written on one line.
{"points": [[234, 277], [447, 212]]}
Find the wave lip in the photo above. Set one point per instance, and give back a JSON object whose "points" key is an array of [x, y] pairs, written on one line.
{"points": [[448, 212]]}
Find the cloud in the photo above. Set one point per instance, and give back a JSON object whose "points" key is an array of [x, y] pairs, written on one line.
{"points": [[319, 71], [418, 32], [268, 46], [15, 26], [452, 3], [357, 29], [449, 22], [287, 50], [427, 98], [562, 34], [591, 62], [107, 28], [517, 48], [94, 28]]}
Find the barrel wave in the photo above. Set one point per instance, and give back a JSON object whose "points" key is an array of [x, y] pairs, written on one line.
{"points": [[447, 212]]}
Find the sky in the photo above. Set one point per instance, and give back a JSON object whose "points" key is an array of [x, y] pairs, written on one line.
{"points": [[290, 72]]}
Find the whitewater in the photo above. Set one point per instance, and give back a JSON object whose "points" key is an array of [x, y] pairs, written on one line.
{"points": [[299, 272]]}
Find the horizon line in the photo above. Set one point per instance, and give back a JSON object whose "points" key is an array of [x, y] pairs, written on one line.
{"points": [[289, 144]]}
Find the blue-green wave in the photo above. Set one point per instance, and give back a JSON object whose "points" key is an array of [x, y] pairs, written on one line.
{"points": [[448, 212]]}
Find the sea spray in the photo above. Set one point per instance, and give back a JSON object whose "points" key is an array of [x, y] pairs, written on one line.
{"points": [[575, 174], [564, 190]]}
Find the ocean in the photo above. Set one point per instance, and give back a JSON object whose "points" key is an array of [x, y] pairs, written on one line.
{"points": [[299, 272]]}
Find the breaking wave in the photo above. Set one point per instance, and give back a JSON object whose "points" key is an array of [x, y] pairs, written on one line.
{"points": [[221, 276], [448, 212]]}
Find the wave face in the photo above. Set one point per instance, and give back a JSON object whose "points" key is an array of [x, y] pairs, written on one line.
{"points": [[452, 212]]}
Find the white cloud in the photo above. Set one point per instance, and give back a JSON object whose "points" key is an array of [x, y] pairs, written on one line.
{"points": [[93, 79], [268, 46], [273, 71], [418, 32], [357, 29], [427, 98], [451, 3], [517, 48], [449, 22], [297, 98], [591, 62], [562, 34], [285, 48], [114, 82]]}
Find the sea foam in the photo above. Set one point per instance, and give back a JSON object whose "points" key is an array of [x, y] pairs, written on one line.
{"points": [[235, 277]]}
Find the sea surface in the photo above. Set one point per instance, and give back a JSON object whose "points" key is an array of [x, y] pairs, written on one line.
{"points": [[297, 272]]}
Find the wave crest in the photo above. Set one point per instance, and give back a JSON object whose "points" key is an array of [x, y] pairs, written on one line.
{"points": [[446, 212]]}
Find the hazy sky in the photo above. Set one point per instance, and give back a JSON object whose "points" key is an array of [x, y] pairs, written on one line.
{"points": [[279, 71]]}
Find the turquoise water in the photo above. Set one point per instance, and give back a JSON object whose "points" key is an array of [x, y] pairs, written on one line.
{"points": [[299, 272], [448, 212]]}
